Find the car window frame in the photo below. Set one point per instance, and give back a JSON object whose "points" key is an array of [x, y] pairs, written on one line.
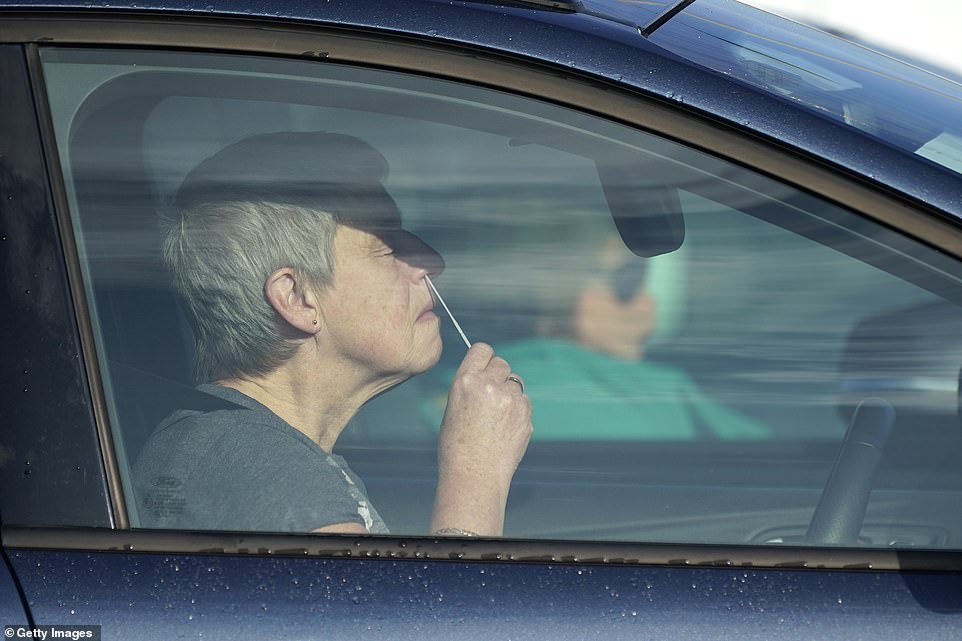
{"points": [[52, 383], [487, 69]]}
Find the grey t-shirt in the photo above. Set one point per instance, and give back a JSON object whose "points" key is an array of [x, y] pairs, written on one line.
{"points": [[244, 468]]}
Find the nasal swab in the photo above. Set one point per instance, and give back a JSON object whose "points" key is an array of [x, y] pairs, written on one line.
{"points": [[450, 315]]}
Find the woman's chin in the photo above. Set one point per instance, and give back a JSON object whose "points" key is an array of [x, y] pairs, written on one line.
{"points": [[428, 356], [424, 351], [433, 353]]}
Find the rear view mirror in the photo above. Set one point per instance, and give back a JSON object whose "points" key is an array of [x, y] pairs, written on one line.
{"points": [[648, 216]]}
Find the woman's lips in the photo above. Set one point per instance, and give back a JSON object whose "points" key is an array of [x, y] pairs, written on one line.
{"points": [[427, 314]]}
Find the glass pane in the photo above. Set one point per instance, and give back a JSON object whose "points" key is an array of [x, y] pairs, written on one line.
{"points": [[901, 103], [699, 394]]}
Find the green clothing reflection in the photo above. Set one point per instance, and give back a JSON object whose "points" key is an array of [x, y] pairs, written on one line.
{"points": [[578, 394]]}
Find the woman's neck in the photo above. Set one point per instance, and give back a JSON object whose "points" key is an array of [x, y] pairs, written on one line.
{"points": [[320, 410]]}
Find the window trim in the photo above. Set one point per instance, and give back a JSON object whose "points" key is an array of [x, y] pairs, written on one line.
{"points": [[503, 72], [60, 473], [427, 548], [91, 365]]}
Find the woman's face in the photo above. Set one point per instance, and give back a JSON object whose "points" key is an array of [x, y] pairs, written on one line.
{"points": [[378, 311]]}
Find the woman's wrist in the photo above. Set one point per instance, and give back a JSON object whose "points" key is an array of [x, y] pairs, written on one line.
{"points": [[471, 507]]}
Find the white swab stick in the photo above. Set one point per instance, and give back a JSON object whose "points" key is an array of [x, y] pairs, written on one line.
{"points": [[450, 315]]}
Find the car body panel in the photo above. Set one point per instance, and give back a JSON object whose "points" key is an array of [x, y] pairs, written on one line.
{"points": [[229, 597], [11, 605]]}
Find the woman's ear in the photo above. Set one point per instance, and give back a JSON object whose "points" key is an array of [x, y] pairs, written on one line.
{"points": [[291, 297]]}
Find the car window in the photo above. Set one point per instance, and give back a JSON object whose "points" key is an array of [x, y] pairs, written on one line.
{"points": [[689, 385]]}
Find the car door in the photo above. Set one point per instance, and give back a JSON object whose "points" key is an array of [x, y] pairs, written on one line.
{"points": [[709, 327]]}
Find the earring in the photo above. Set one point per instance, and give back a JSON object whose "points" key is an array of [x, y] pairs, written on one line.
{"points": [[314, 321]]}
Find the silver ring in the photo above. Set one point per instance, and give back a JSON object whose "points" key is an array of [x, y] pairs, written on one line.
{"points": [[512, 377]]}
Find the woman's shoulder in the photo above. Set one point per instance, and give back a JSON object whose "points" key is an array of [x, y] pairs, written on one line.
{"points": [[229, 434]]}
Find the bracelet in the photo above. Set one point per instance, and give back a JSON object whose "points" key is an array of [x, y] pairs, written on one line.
{"points": [[455, 531]]}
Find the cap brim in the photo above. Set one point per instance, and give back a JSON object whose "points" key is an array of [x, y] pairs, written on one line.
{"points": [[414, 251]]}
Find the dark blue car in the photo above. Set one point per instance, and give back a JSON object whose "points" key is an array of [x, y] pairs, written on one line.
{"points": [[722, 252]]}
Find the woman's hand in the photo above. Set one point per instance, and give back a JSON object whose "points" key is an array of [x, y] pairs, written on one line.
{"points": [[484, 434]]}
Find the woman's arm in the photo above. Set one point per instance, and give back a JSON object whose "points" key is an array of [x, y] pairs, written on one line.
{"points": [[484, 434]]}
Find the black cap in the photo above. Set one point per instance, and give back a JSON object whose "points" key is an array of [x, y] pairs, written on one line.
{"points": [[332, 172]]}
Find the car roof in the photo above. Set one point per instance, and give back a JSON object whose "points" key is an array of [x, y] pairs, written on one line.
{"points": [[888, 121]]}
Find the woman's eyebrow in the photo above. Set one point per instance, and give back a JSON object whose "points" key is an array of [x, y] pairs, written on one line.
{"points": [[371, 243]]}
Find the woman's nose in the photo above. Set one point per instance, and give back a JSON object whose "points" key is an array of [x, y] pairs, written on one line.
{"points": [[419, 256], [418, 270]]}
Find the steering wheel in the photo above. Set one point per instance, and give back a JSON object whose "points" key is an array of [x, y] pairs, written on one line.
{"points": [[841, 509]]}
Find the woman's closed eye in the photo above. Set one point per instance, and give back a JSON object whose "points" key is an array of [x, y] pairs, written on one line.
{"points": [[382, 251]]}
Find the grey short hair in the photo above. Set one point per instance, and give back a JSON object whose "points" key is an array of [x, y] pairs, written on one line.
{"points": [[265, 202], [220, 254]]}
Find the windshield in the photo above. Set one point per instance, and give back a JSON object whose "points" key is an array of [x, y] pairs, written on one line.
{"points": [[903, 105]]}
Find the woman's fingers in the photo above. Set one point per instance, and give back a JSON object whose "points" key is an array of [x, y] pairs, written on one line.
{"points": [[514, 378], [481, 365], [477, 358], [487, 408]]}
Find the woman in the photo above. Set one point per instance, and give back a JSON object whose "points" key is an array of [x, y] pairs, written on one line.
{"points": [[309, 299]]}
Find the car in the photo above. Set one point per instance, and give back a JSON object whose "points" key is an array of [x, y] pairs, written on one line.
{"points": [[723, 250]]}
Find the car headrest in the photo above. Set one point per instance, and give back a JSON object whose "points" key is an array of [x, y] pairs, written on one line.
{"points": [[910, 357]]}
